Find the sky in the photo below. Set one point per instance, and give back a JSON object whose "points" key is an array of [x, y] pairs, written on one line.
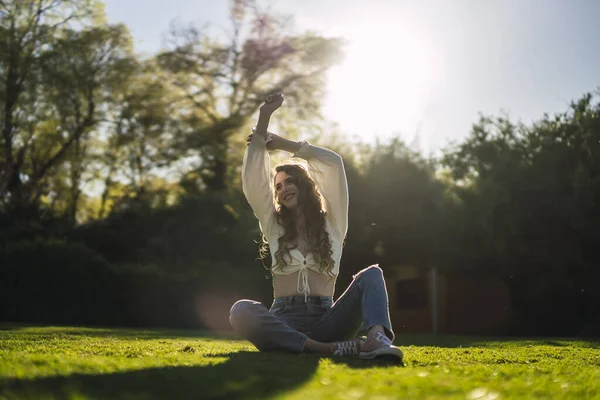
{"points": [[423, 70]]}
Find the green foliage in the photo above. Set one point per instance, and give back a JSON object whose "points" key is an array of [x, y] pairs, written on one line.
{"points": [[222, 83], [52, 281], [403, 204], [183, 239], [81, 71], [88, 124], [53, 362], [528, 198], [141, 143], [29, 31]]}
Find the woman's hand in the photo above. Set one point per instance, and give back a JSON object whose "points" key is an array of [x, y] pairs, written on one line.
{"points": [[272, 103], [271, 144]]}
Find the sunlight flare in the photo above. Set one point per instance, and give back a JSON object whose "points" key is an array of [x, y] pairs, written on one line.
{"points": [[386, 82]]}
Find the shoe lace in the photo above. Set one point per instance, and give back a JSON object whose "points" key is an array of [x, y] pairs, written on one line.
{"points": [[346, 348]]}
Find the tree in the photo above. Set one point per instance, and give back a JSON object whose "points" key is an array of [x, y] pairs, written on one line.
{"points": [[28, 31], [403, 204], [222, 84], [139, 141], [80, 72], [529, 198]]}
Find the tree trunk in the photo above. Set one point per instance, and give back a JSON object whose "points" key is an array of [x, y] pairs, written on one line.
{"points": [[216, 181], [75, 192], [104, 198]]}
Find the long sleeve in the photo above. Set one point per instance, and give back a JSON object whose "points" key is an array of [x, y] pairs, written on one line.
{"points": [[256, 182], [327, 169]]}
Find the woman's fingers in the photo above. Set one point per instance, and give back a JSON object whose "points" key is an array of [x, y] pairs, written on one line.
{"points": [[273, 97]]}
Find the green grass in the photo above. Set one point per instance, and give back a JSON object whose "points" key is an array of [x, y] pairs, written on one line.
{"points": [[64, 363]]}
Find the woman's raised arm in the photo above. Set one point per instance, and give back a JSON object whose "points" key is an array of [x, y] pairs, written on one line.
{"points": [[256, 168]]}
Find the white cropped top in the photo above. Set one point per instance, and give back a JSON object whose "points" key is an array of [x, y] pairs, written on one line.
{"points": [[326, 168]]}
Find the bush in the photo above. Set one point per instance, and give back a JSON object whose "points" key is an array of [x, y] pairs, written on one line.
{"points": [[51, 281], [199, 231]]}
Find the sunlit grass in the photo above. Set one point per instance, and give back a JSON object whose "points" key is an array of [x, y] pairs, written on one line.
{"points": [[51, 362]]}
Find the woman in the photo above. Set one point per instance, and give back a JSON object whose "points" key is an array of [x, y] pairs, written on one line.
{"points": [[306, 242]]}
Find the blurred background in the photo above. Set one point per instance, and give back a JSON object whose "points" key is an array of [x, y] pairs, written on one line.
{"points": [[470, 133]]}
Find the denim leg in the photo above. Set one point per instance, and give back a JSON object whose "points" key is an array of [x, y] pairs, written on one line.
{"points": [[253, 322], [365, 302]]}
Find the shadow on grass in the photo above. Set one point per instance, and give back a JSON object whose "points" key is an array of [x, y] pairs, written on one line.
{"points": [[245, 375], [358, 363]]}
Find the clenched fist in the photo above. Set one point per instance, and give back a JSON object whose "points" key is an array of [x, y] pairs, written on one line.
{"points": [[272, 103]]}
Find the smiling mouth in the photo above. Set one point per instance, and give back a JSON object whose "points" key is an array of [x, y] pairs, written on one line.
{"points": [[289, 196]]}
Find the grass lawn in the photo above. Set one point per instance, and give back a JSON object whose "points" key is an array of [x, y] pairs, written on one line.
{"points": [[62, 363]]}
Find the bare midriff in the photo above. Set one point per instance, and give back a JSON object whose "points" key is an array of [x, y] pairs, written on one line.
{"points": [[287, 285]]}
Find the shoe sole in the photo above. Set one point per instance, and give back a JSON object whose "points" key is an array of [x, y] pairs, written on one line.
{"points": [[386, 353]]}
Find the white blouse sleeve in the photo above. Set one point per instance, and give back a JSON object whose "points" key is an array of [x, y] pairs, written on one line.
{"points": [[256, 181], [327, 169]]}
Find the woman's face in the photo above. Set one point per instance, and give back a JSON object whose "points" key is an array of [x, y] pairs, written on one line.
{"points": [[286, 190]]}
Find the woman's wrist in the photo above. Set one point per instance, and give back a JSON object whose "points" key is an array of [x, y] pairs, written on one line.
{"points": [[262, 111], [263, 124], [273, 143]]}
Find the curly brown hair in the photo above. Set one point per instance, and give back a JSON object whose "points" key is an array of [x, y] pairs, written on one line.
{"points": [[311, 206]]}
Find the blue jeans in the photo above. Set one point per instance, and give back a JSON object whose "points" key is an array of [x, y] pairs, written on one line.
{"points": [[291, 320]]}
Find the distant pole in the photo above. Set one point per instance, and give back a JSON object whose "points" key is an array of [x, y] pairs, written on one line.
{"points": [[434, 299]]}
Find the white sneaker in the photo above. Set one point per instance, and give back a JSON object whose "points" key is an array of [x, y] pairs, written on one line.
{"points": [[380, 346]]}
